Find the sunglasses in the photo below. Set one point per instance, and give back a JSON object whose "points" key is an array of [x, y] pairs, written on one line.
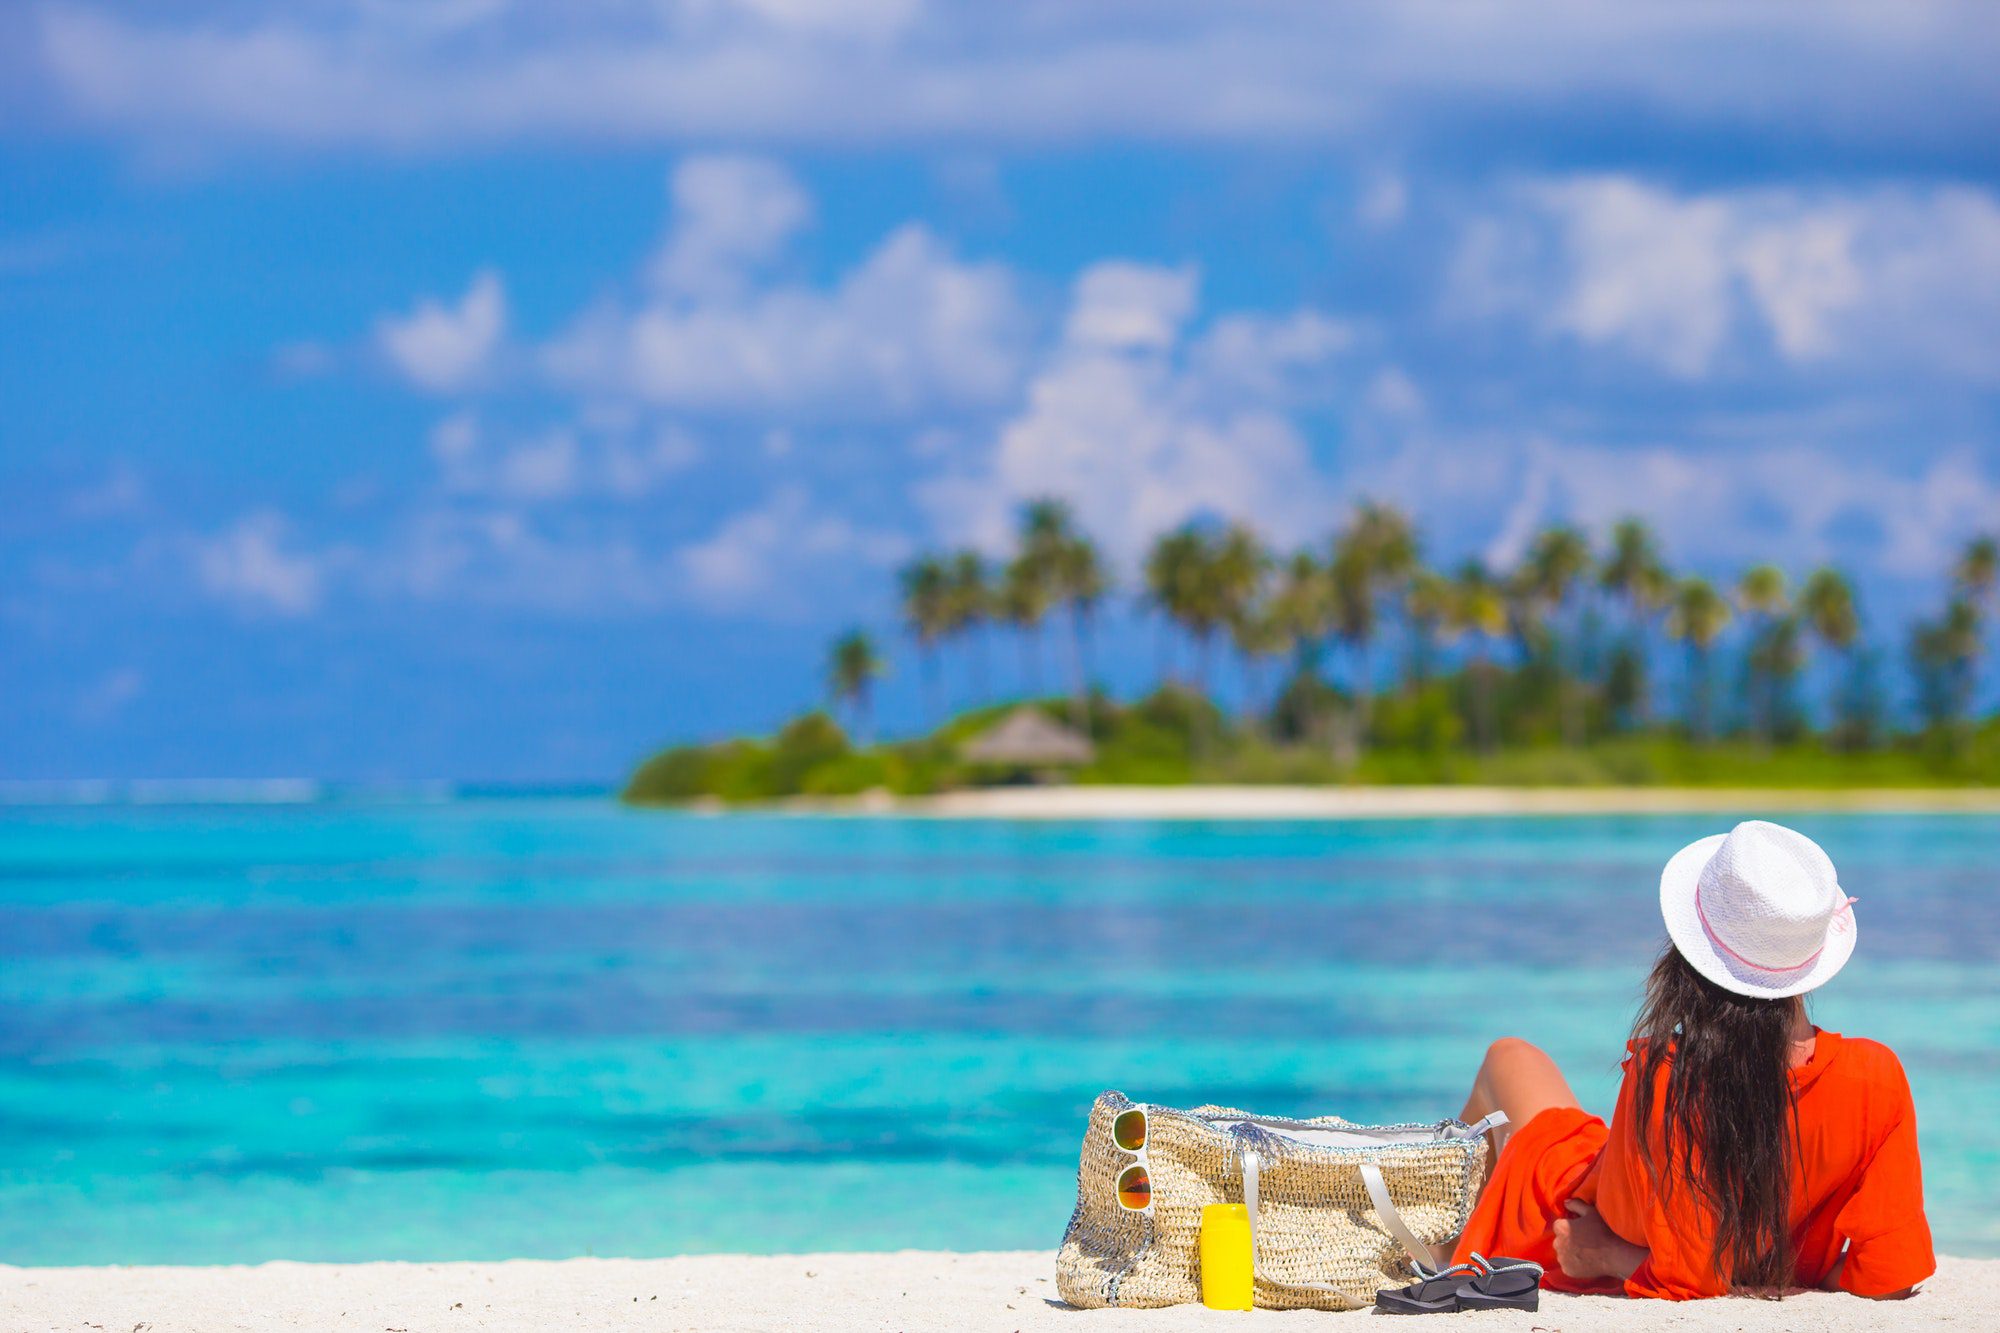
{"points": [[1135, 1182]]}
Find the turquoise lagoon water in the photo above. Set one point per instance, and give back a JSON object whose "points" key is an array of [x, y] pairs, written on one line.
{"points": [[513, 1028]]}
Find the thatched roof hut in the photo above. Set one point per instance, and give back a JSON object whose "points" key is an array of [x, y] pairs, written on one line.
{"points": [[1029, 738]]}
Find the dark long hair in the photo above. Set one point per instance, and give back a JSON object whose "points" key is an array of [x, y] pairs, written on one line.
{"points": [[1729, 1116]]}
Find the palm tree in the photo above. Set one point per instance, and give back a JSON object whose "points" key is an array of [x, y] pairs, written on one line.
{"points": [[1023, 602], [1208, 581], [1373, 557], [1977, 576], [927, 614], [1977, 573], [1260, 634], [1762, 591], [1350, 591], [1078, 581], [1697, 618], [1633, 560], [1528, 624], [1046, 526], [1557, 560], [1427, 609], [1379, 552], [1227, 587], [970, 601], [1301, 602], [1634, 573], [1063, 562], [1945, 652], [1826, 603], [1386, 539], [1761, 595], [851, 670], [1479, 608], [1172, 578], [1777, 657], [1301, 612]]}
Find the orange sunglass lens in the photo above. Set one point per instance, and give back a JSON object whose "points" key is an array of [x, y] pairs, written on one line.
{"points": [[1135, 1187], [1128, 1131]]}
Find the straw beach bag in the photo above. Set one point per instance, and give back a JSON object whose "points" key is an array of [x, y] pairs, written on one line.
{"points": [[1337, 1210]]}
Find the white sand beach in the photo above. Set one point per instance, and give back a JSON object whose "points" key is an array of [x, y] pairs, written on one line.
{"points": [[966, 1293], [1244, 802]]}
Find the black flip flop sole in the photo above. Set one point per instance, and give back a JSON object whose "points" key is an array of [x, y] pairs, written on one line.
{"points": [[1503, 1290], [1437, 1296]]}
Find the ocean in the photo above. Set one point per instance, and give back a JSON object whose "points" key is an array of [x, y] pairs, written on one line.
{"points": [[348, 1029]]}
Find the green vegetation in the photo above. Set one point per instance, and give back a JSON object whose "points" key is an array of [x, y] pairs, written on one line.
{"points": [[1174, 737], [1356, 663]]}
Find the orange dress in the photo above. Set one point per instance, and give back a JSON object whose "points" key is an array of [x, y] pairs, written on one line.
{"points": [[1857, 1185]]}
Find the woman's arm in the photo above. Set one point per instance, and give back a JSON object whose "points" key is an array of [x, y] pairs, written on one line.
{"points": [[1832, 1283], [1587, 1247]]}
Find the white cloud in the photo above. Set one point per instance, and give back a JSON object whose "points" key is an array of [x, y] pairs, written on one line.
{"points": [[1795, 504], [767, 561], [731, 215], [475, 553], [603, 454], [1121, 305], [1140, 430], [445, 347], [910, 327], [542, 468], [253, 564], [781, 558], [1646, 269], [1889, 279], [1802, 277], [1270, 358], [1392, 393], [1140, 418], [635, 469], [499, 557], [870, 71]]}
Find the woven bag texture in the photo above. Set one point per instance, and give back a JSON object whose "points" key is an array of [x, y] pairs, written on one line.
{"points": [[1315, 1221]]}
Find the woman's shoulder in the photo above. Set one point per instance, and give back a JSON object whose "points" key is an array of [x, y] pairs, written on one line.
{"points": [[1863, 1048], [1861, 1060], [1857, 1059]]}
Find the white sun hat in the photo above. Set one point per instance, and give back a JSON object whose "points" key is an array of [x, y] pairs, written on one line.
{"points": [[1758, 910]]}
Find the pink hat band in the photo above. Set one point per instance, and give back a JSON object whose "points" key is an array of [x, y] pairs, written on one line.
{"points": [[1715, 938]]}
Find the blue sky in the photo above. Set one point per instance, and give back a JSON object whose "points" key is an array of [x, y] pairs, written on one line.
{"points": [[475, 389]]}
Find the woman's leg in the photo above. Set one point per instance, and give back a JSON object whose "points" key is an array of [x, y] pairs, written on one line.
{"points": [[1521, 1080]]}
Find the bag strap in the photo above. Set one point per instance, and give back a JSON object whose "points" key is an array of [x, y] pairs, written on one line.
{"points": [[1486, 1126], [1425, 1258], [1249, 1159], [1421, 1255]]}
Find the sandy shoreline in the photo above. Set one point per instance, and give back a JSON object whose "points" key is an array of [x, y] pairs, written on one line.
{"points": [[1414, 802], [966, 1293]]}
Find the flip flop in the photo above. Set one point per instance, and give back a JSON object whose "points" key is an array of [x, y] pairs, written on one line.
{"points": [[1502, 1284], [1431, 1293]]}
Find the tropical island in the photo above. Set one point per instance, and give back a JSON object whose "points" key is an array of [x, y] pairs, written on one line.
{"points": [[1357, 664]]}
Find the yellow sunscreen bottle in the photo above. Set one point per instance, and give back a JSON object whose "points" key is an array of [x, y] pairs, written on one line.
{"points": [[1226, 1282]]}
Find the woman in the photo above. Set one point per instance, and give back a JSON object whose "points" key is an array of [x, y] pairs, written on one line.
{"points": [[1750, 1151]]}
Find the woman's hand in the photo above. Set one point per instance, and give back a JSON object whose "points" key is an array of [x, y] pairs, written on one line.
{"points": [[1588, 1248]]}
